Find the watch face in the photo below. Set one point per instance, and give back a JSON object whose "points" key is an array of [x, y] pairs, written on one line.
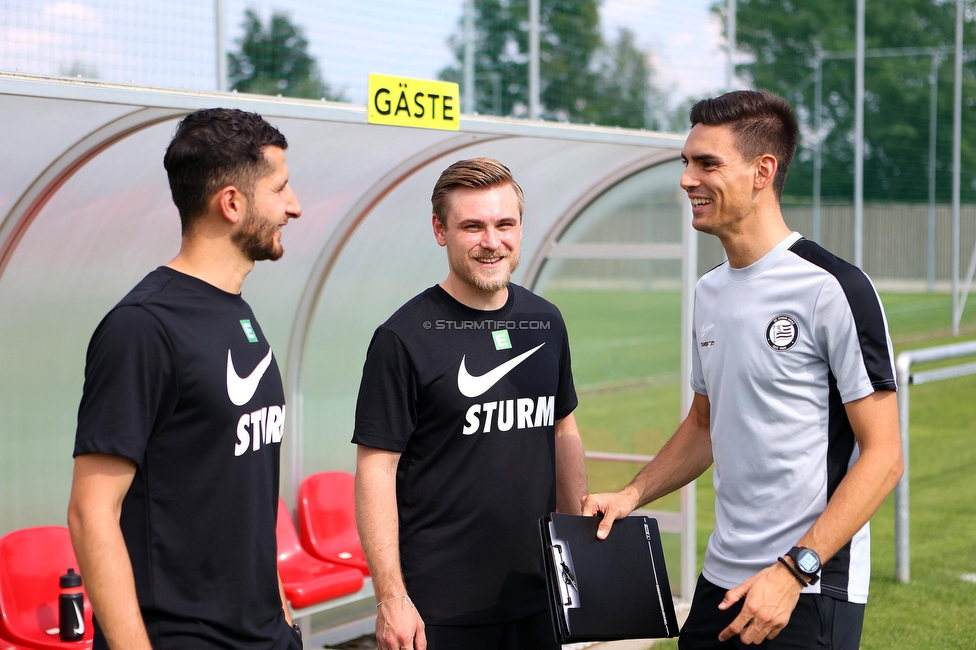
{"points": [[807, 562]]}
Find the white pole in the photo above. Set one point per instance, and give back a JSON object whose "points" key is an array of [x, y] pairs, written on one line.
{"points": [[903, 371], [859, 141], [221, 48], [469, 57], [534, 110], [933, 119], [730, 40], [689, 272], [818, 148], [956, 171]]}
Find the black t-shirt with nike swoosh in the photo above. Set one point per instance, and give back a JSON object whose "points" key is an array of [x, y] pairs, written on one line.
{"points": [[470, 398], [180, 379]]}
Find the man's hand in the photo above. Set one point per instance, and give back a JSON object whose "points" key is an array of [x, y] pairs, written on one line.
{"points": [[399, 626], [685, 456], [770, 597], [613, 506], [398, 623]]}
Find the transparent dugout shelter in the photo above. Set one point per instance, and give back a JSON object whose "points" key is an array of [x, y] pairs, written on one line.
{"points": [[85, 213]]}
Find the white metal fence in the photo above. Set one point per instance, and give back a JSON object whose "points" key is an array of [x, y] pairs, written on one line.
{"points": [[906, 378]]}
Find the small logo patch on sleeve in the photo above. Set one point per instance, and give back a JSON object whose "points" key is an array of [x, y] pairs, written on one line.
{"points": [[248, 330]]}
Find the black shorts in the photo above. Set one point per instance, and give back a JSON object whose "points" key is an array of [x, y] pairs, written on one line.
{"points": [[818, 622], [531, 633]]}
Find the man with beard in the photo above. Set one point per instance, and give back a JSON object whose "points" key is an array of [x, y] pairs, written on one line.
{"points": [[467, 437], [175, 491]]}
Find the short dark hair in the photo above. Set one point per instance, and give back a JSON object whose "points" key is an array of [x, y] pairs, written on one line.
{"points": [[479, 173], [762, 123], [213, 148]]}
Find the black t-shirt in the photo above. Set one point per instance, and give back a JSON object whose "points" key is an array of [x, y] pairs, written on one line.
{"points": [[180, 379], [470, 399]]}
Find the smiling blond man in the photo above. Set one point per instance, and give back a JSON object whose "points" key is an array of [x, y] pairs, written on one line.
{"points": [[466, 437]]}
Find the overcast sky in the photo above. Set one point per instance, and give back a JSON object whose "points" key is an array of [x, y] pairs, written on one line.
{"points": [[172, 42]]}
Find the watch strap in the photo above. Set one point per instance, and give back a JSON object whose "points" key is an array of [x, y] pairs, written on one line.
{"points": [[796, 574], [795, 552]]}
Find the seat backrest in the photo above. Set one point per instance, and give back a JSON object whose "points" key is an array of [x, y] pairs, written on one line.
{"points": [[327, 508], [32, 560], [288, 543]]}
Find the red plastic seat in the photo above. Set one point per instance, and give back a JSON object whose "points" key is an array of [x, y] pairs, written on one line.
{"points": [[327, 519], [32, 561], [7, 646], [308, 580]]}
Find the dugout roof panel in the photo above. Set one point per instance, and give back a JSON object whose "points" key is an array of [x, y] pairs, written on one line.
{"points": [[85, 212]]}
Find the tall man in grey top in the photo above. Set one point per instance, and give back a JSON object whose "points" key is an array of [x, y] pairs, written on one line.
{"points": [[794, 402], [467, 437], [175, 492]]}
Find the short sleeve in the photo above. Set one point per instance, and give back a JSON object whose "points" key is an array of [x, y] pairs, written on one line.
{"points": [[852, 336], [566, 399], [697, 376], [129, 385], [386, 410]]}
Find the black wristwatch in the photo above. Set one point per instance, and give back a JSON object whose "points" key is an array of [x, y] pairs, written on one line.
{"points": [[807, 562], [298, 630]]}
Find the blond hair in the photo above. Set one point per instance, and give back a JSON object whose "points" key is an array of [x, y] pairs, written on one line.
{"points": [[476, 173]]}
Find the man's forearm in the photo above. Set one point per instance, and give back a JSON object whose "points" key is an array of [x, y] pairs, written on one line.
{"points": [[869, 480], [378, 522], [98, 487], [570, 467], [398, 623], [105, 566]]}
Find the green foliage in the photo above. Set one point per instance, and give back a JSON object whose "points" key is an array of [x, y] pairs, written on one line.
{"points": [[569, 38], [782, 40], [582, 78], [624, 94], [274, 60]]}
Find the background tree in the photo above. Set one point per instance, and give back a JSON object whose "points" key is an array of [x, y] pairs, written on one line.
{"points": [[275, 60], [782, 38], [625, 94], [569, 39], [582, 78], [500, 66]]}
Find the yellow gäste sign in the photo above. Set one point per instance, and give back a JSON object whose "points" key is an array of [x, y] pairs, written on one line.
{"points": [[401, 101]]}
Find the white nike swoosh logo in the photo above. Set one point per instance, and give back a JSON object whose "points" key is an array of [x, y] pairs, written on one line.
{"points": [[475, 386], [705, 329], [240, 390], [81, 619]]}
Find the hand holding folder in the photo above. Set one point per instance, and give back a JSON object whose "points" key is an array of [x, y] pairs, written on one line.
{"points": [[602, 590]]}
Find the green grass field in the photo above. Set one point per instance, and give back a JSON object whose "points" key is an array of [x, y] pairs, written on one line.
{"points": [[626, 348]]}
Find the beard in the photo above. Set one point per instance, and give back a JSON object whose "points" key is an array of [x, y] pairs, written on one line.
{"points": [[498, 278], [256, 239]]}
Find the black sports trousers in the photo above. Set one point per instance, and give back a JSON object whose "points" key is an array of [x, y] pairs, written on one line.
{"points": [[818, 623], [530, 633]]}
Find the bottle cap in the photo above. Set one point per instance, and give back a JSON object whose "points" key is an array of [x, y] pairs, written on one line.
{"points": [[70, 579]]}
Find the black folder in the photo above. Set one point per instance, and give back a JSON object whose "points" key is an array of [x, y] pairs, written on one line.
{"points": [[602, 590]]}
